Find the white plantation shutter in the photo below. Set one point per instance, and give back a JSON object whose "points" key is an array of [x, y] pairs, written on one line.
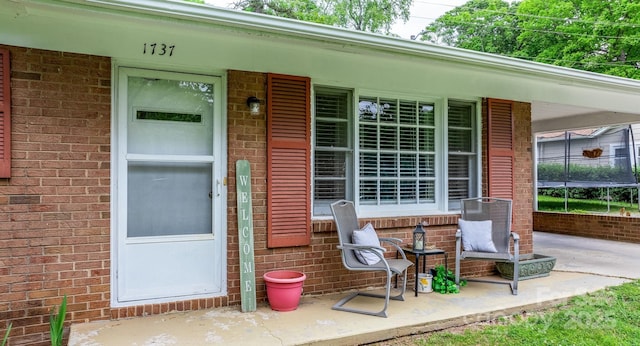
{"points": [[332, 147], [396, 151], [462, 152]]}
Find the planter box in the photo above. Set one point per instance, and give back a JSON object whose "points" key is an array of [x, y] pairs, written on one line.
{"points": [[531, 266]]}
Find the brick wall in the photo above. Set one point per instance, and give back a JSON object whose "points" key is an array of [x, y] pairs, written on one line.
{"points": [[55, 222], [247, 140], [619, 228], [523, 189], [321, 261], [54, 211], [522, 222]]}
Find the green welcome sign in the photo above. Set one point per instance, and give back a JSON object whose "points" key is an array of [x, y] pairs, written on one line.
{"points": [[245, 236]]}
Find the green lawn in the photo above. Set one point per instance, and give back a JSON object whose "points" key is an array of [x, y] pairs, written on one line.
{"points": [[607, 317], [583, 206]]}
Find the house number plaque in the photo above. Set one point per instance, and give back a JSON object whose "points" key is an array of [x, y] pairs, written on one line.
{"points": [[245, 236], [158, 48]]}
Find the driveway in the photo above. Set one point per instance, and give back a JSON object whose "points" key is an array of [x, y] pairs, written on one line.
{"points": [[587, 255]]}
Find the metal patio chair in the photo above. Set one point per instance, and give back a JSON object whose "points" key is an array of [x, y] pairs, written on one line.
{"points": [[487, 221], [347, 222]]}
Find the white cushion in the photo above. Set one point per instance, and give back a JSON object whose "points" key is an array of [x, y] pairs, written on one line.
{"points": [[476, 236], [366, 236]]}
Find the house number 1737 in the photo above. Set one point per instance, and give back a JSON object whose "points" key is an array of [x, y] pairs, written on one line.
{"points": [[158, 49]]}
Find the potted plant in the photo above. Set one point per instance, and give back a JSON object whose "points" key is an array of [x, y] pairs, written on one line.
{"points": [[444, 281]]}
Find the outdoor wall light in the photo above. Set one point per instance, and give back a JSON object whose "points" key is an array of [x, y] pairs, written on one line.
{"points": [[254, 105]]}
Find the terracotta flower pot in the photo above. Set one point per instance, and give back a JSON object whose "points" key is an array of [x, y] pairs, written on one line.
{"points": [[284, 289]]}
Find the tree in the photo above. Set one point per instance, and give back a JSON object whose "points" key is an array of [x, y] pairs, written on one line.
{"points": [[306, 10], [593, 35], [371, 15], [375, 16], [482, 25]]}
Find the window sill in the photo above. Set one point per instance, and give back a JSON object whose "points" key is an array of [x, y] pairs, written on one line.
{"points": [[327, 225]]}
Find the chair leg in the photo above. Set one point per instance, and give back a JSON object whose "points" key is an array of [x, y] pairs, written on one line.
{"points": [[457, 270], [400, 296], [516, 269], [382, 313], [340, 304]]}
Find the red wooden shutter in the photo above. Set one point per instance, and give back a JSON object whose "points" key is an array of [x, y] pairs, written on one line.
{"points": [[500, 149], [288, 161], [5, 115]]}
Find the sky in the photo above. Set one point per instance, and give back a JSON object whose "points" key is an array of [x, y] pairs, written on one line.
{"points": [[423, 12]]}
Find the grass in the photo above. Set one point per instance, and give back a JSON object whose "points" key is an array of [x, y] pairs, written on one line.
{"points": [[56, 320], [606, 317], [582, 206]]}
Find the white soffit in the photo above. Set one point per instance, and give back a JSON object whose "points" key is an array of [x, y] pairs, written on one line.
{"points": [[545, 86], [187, 11]]}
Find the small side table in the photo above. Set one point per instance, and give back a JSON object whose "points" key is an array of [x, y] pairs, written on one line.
{"points": [[424, 253]]}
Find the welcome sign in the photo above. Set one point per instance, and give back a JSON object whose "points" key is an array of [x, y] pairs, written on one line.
{"points": [[245, 236]]}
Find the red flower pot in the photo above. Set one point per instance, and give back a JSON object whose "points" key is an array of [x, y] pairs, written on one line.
{"points": [[284, 289]]}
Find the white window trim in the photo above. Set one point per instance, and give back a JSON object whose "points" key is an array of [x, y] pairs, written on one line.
{"points": [[612, 153], [441, 206], [402, 209]]}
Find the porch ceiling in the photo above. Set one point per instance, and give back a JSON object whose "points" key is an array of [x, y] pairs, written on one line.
{"points": [[546, 116]]}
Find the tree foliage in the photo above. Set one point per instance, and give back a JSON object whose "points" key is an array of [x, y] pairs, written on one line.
{"points": [[306, 10], [593, 35], [482, 25], [375, 16]]}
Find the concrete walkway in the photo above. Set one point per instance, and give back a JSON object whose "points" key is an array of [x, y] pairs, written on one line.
{"points": [[587, 255], [579, 269]]}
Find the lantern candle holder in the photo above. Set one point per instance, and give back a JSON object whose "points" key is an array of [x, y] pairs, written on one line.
{"points": [[419, 238]]}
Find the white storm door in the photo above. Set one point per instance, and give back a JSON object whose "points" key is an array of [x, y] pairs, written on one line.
{"points": [[169, 202]]}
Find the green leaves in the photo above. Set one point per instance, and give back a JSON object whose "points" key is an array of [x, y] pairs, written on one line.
{"points": [[57, 323], [444, 281], [482, 25], [364, 15], [6, 335], [592, 35]]}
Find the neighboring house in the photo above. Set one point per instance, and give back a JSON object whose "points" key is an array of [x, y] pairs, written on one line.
{"points": [[593, 157], [123, 121]]}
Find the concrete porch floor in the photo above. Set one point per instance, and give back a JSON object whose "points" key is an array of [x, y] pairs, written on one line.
{"points": [[592, 266]]}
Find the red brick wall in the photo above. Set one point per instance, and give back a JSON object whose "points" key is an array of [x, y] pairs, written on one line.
{"points": [[54, 211], [55, 222], [522, 222], [523, 200], [247, 140], [320, 261], [619, 228]]}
